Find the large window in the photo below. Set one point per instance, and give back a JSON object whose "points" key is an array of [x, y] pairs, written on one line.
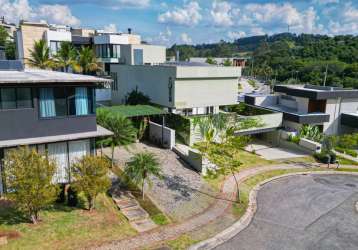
{"points": [[108, 51], [54, 47], [138, 57], [12, 98], [69, 101]]}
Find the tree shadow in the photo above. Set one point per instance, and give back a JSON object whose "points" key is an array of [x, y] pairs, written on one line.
{"points": [[10, 215], [178, 185]]}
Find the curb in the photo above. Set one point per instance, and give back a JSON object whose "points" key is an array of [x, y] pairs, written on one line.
{"points": [[246, 219]]}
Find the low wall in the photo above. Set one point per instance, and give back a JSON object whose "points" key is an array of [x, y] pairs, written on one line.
{"points": [[156, 132], [310, 145]]}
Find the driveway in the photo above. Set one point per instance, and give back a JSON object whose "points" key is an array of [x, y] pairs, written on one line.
{"points": [[303, 212], [182, 192], [269, 152]]}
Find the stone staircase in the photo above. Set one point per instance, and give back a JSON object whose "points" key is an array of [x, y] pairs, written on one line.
{"points": [[136, 215]]}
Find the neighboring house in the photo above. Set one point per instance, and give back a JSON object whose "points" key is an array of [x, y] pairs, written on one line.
{"points": [[333, 110], [10, 28], [50, 111], [235, 61], [182, 88]]}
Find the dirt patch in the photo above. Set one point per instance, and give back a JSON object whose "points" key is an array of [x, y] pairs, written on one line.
{"points": [[10, 234]]}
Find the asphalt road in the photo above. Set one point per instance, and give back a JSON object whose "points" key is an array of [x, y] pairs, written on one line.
{"points": [[313, 212]]}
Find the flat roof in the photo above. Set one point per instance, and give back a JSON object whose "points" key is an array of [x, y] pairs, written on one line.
{"points": [[316, 92], [100, 132], [135, 110], [47, 76]]}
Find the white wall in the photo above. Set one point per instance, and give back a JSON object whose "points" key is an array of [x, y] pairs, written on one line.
{"points": [[202, 89], [63, 36], [117, 39], [302, 104], [152, 54], [156, 132]]}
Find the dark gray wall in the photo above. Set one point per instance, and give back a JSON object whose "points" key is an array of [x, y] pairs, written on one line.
{"points": [[25, 123]]}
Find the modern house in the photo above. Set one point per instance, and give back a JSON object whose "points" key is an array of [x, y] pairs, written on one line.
{"points": [[181, 87], [50, 111], [10, 28], [333, 110], [235, 61]]}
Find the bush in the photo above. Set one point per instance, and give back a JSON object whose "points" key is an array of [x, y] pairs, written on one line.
{"points": [[294, 139], [72, 199], [61, 198], [326, 157], [347, 151]]}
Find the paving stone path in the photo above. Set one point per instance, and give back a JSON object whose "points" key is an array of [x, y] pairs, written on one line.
{"points": [[214, 212]]}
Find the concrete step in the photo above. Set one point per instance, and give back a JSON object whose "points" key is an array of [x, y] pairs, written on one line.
{"points": [[135, 213], [143, 225], [125, 203]]}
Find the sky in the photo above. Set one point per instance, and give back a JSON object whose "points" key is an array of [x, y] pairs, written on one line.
{"points": [[167, 22]]}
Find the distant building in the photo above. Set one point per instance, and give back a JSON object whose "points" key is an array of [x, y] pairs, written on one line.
{"points": [[333, 110], [10, 28], [235, 61]]}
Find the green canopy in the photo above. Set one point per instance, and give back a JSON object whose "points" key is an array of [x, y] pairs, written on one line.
{"points": [[135, 110]]}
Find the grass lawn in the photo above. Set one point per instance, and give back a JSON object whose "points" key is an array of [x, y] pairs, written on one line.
{"points": [[344, 161], [63, 227], [154, 212]]}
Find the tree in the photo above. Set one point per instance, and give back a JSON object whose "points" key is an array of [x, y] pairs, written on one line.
{"points": [[137, 98], [40, 55], [123, 130], [87, 62], [91, 177], [227, 62], [3, 36], [141, 166], [211, 60], [66, 57], [29, 178]]}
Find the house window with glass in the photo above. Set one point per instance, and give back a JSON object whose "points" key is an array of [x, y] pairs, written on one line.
{"points": [[108, 51], [15, 98], [54, 47], [138, 57], [70, 101]]}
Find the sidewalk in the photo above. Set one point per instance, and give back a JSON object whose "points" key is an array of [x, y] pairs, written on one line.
{"points": [[214, 212]]}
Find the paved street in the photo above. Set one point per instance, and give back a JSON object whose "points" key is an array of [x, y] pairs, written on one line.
{"points": [[303, 212]]}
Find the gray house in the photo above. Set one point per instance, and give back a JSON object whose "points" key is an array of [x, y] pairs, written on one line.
{"points": [[333, 110], [49, 111]]}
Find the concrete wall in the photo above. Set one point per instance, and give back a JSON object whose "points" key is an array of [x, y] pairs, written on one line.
{"points": [[26, 123], [205, 92], [269, 100], [117, 39], [26, 40], [152, 81], [152, 54], [156, 131], [302, 104], [193, 87], [52, 35]]}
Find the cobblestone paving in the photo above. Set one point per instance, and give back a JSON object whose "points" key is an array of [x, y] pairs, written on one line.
{"points": [[181, 193], [214, 212]]}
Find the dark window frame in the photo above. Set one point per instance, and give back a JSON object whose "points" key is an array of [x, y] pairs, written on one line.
{"points": [[16, 99]]}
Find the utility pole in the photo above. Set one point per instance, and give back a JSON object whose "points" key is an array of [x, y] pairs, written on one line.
{"points": [[252, 66], [325, 76]]}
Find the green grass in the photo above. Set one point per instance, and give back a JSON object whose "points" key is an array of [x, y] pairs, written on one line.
{"points": [[154, 212], [135, 110], [62, 227], [344, 161], [182, 242]]}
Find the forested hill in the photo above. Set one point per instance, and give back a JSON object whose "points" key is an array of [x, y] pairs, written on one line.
{"points": [[289, 58]]}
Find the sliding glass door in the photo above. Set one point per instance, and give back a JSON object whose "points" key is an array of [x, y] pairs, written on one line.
{"points": [[58, 153]]}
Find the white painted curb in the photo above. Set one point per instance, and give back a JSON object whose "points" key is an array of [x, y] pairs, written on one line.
{"points": [[246, 219]]}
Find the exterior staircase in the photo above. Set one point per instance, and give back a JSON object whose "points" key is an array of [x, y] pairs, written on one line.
{"points": [[135, 214]]}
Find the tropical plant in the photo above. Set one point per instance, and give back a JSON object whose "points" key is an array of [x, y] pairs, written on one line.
{"points": [[124, 133], [29, 183], [90, 176], [211, 60], [248, 123], [87, 62], [140, 167], [137, 98], [227, 62], [40, 55], [66, 57], [143, 125], [311, 132]]}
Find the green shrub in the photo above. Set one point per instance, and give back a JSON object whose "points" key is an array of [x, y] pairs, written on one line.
{"points": [[326, 157], [347, 151], [294, 138]]}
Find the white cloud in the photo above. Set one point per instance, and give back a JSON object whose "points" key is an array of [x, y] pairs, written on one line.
{"points": [[324, 2], [185, 38], [347, 23], [188, 15], [14, 11], [122, 4], [110, 28], [58, 14], [163, 38], [233, 35], [223, 13], [257, 31], [350, 13]]}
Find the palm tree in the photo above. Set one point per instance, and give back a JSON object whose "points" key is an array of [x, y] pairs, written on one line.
{"points": [[87, 62], [124, 133], [141, 166], [66, 56], [40, 55]]}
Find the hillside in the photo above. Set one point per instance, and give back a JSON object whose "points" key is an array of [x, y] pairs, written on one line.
{"points": [[289, 58]]}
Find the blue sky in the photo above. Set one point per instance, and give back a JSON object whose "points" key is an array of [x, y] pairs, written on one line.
{"points": [[192, 21]]}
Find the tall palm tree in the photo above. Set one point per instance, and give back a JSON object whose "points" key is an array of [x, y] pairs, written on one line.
{"points": [[141, 166], [66, 56], [87, 61], [124, 133], [40, 55]]}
